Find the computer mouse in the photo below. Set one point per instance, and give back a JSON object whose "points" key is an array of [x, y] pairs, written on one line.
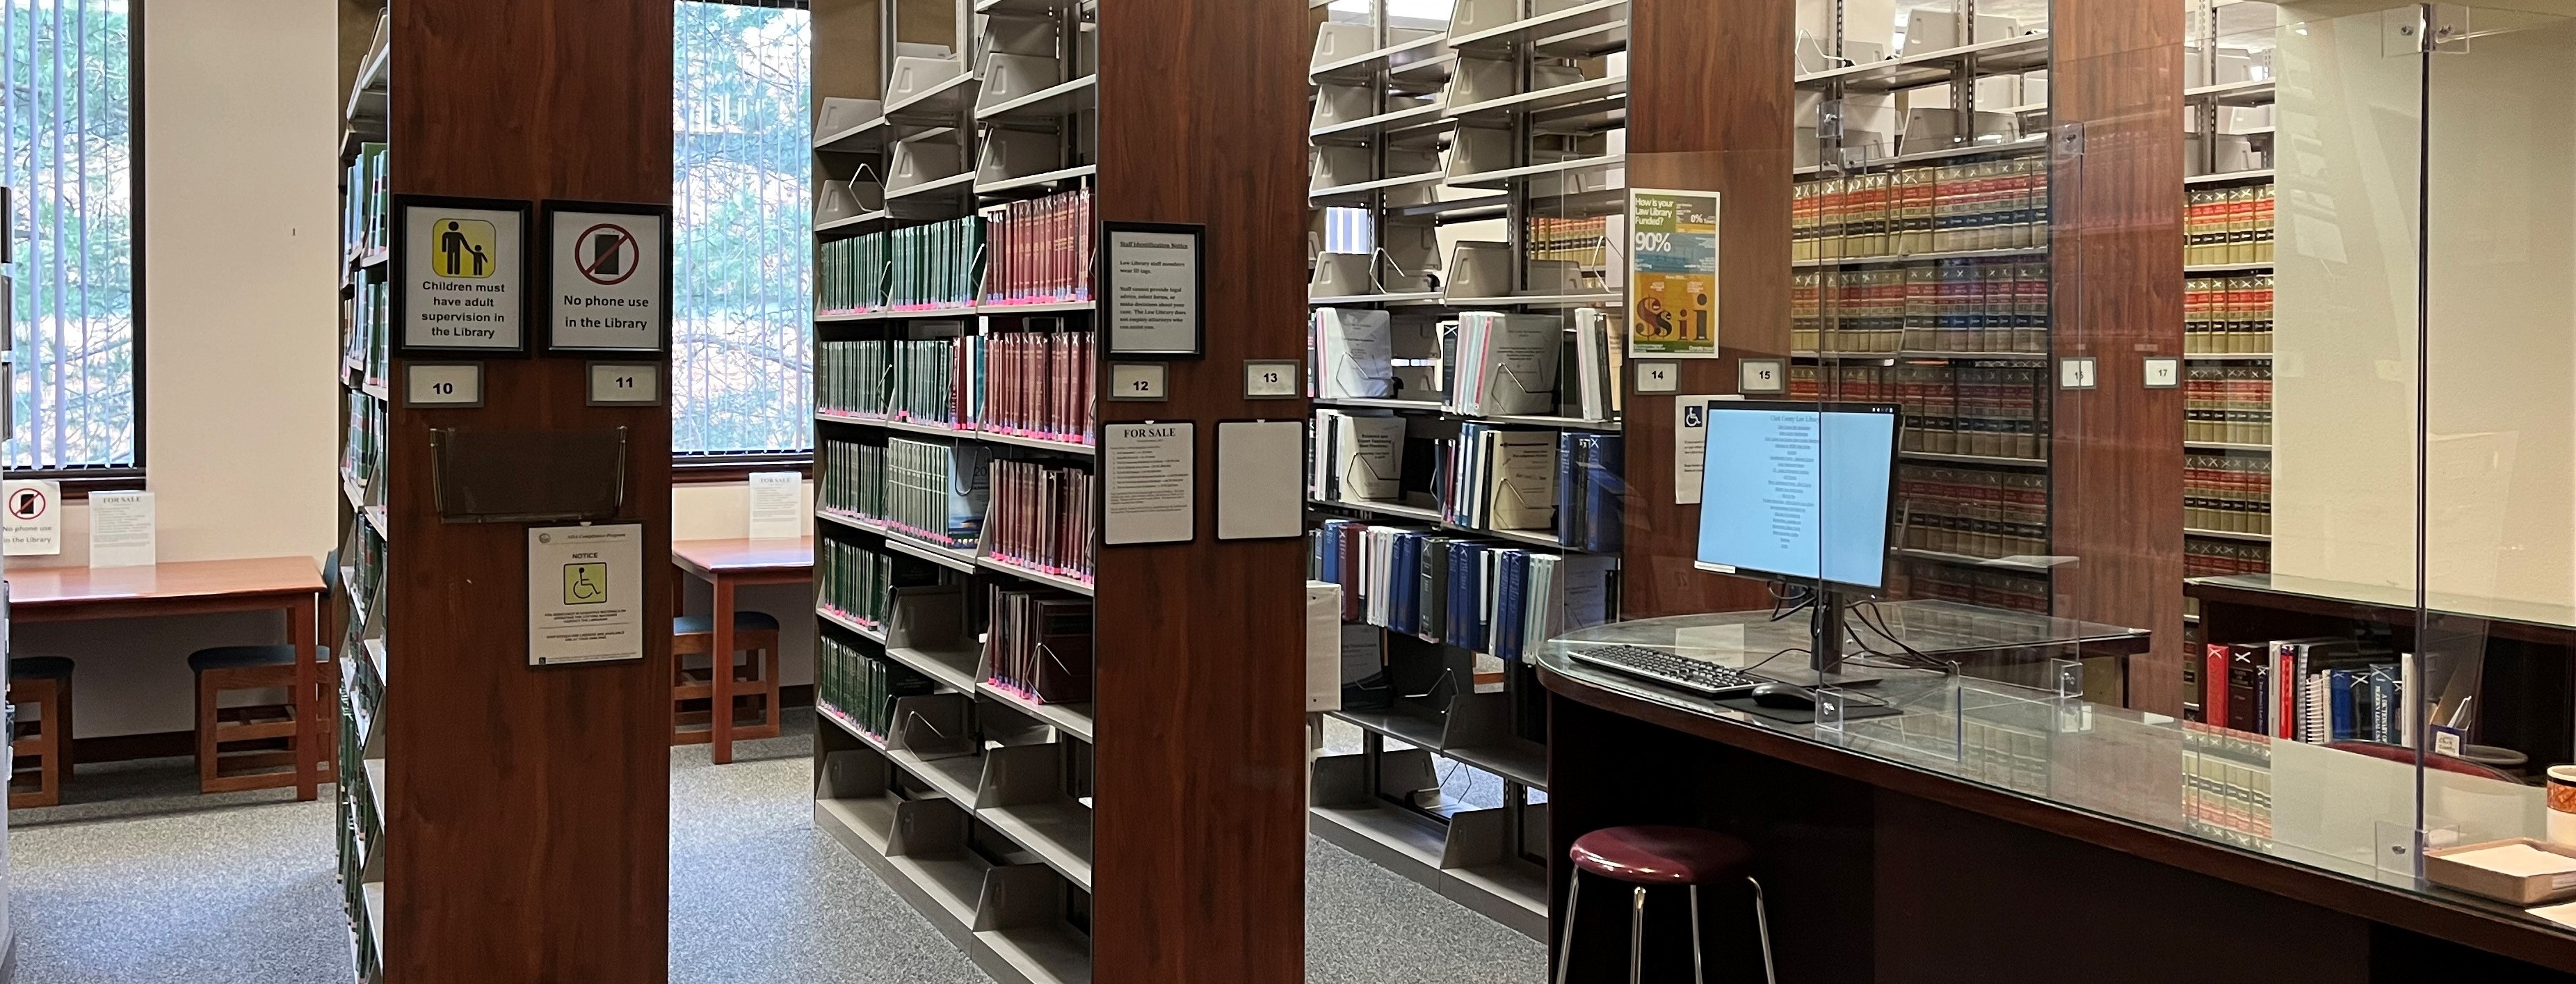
{"points": [[1784, 696]]}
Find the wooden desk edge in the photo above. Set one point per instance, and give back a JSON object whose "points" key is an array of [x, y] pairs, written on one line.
{"points": [[2430, 915]]}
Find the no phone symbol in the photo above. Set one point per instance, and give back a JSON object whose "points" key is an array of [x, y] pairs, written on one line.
{"points": [[27, 504], [607, 254]]}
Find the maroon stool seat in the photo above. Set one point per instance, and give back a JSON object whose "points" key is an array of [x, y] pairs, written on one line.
{"points": [[1645, 856], [1663, 855]]}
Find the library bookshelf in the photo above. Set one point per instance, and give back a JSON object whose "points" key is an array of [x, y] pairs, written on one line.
{"points": [[997, 684]]}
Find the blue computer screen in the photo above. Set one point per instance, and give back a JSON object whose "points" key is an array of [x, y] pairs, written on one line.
{"points": [[1801, 493]]}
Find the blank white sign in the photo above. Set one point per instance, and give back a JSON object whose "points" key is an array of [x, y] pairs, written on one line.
{"points": [[1258, 480]]}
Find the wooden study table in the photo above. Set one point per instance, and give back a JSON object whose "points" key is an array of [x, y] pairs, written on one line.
{"points": [[727, 565], [292, 585]]}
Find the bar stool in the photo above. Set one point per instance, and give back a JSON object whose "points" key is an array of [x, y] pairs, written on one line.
{"points": [[43, 683], [230, 669], [1646, 856], [754, 634]]}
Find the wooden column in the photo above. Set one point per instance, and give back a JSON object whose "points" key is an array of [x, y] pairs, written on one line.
{"points": [[528, 809], [2116, 460], [1709, 108], [1201, 823]]}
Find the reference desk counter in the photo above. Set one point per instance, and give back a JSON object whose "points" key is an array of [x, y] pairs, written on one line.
{"points": [[1956, 827]]}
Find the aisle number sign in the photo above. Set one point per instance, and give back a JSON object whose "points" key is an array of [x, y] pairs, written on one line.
{"points": [[609, 285], [1672, 290], [462, 275]]}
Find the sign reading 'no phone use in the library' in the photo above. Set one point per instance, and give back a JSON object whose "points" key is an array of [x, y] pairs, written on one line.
{"points": [[608, 277]]}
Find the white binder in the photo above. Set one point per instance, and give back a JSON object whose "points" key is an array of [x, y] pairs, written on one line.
{"points": [[1353, 349]]}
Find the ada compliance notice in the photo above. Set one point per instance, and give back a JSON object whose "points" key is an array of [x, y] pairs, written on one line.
{"points": [[585, 594], [461, 272]]}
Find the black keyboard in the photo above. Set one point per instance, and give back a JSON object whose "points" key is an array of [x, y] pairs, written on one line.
{"points": [[1672, 671]]}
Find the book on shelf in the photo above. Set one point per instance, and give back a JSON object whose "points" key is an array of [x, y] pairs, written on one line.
{"points": [[2228, 403], [2204, 557], [1037, 645], [2312, 690], [850, 274], [1354, 353], [1936, 208], [864, 687], [1041, 250], [1985, 408], [1591, 510], [857, 583], [1950, 306], [937, 492], [1972, 511], [2228, 225], [1030, 383], [1357, 456], [852, 483], [2227, 315], [1599, 363], [2227, 493], [1495, 598], [1505, 364], [1041, 518]]}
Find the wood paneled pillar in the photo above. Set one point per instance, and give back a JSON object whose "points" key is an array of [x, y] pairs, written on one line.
{"points": [[2116, 460], [1709, 108], [528, 809], [1200, 773]]}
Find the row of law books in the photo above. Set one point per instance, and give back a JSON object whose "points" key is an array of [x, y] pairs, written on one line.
{"points": [[1980, 305], [1037, 645], [1478, 475], [1498, 599], [2228, 225], [861, 688], [2315, 690], [2229, 402], [1977, 586], [857, 583], [1036, 516], [2227, 315], [915, 268], [1030, 252], [1935, 208], [1974, 512], [2218, 558], [2228, 493], [1482, 363], [363, 228], [1995, 409], [1033, 384], [1041, 518]]}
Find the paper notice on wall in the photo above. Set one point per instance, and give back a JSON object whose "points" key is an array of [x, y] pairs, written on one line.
{"points": [[1672, 288], [777, 505], [1690, 447], [34, 525], [1152, 483], [585, 594], [121, 530]]}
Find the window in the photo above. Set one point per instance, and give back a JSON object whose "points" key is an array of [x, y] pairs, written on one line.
{"points": [[742, 251], [69, 162]]}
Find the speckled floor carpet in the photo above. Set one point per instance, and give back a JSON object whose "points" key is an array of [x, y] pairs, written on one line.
{"points": [[140, 881]]}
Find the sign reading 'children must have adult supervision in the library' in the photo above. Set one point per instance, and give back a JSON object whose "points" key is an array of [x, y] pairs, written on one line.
{"points": [[462, 273], [609, 287]]}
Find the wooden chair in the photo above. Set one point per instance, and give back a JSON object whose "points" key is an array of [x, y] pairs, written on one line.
{"points": [[269, 765], [755, 634], [42, 684]]}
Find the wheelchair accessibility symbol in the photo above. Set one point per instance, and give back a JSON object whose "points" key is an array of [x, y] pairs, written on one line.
{"points": [[585, 584]]}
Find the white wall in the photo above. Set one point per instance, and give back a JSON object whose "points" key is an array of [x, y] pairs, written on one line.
{"points": [[240, 229], [241, 320]]}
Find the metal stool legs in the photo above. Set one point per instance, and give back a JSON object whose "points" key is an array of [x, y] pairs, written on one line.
{"points": [[1637, 934]]}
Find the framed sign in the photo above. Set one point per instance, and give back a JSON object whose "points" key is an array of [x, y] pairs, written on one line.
{"points": [[1154, 289], [463, 276], [608, 277]]}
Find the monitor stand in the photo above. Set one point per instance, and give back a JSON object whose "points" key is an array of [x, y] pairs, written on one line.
{"points": [[1825, 641]]}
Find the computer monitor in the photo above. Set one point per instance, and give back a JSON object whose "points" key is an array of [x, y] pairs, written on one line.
{"points": [[1800, 491]]}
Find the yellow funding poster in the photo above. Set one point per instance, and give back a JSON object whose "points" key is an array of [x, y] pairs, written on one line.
{"points": [[1672, 293]]}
